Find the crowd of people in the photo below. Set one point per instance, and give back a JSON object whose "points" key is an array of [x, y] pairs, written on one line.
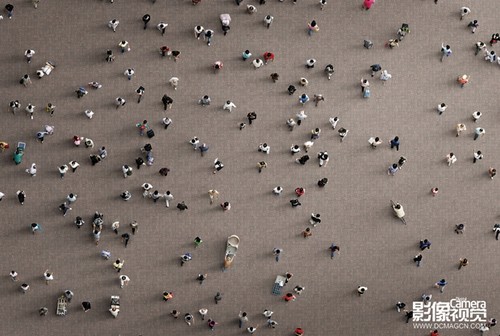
{"points": [[302, 153]]}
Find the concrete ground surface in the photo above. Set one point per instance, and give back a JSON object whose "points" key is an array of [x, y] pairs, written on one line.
{"points": [[376, 249]]}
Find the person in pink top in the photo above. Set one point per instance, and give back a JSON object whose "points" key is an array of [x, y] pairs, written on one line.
{"points": [[367, 4]]}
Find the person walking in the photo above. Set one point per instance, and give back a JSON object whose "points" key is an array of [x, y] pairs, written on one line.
{"points": [[463, 262], [445, 51], [113, 24], [492, 172], [333, 248], [496, 230], [362, 290], [48, 276], [441, 284], [393, 169], [217, 297], [145, 19], [118, 265], [277, 252], [477, 156], [464, 11], [268, 20], [312, 27], [395, 143], [243, 318], [418, 259], [124, 280], [451, 159], [479, 132]]}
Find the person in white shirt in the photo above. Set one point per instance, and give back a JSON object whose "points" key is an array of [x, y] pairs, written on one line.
{"points": [[168, 198], [451, 159], [166, 121], [374, 142], [113, 24], [463, 12], [32, 170], [333, 121], [278, 190], [476, 115], [264, 148], [385, 76], [229, 105], [301, 116], [268, 20], [441, 108], [198, 30], [162, 26], [146, 187], [74, 165], [461, 128], [174, 82], [124, 280], [48, 276], [30, 110], [308, 145], [295, 149], [323, 158], [194, 142], [291, 124], [257, 63], [29, 54], [89, 113], [129, 73], [477, 156]]}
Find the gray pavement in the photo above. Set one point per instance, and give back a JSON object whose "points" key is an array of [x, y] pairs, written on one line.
{"points": [[376, 249]]}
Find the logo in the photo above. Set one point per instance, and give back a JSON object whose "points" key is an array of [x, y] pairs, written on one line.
{"points": [[458, 313]]}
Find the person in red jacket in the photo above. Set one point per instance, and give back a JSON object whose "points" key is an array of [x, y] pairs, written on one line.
{"points": [[268, 57], [434, 333]]}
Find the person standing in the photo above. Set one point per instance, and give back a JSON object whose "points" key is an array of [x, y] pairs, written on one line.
{"points": [[203, 312], [13, 275]]}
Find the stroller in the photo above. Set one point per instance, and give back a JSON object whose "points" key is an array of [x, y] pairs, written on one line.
{"points": [[225, 20]]}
